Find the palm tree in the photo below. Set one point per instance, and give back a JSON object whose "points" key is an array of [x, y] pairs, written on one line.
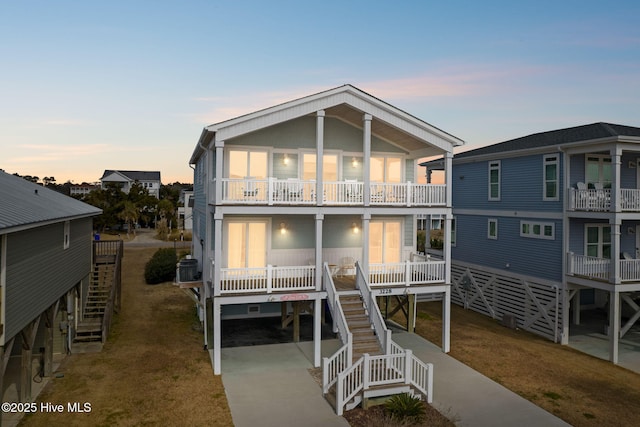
{"points": [[129, 215]]}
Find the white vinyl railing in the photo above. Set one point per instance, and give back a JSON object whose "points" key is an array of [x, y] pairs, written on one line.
{"points": [[630, 270], [588, 266], [407, 273], [391, 369], [341, 359], [270, 191], [600, 200], [267, 279]]}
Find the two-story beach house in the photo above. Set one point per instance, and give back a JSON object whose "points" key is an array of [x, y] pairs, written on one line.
{"points": [[313, 201], [549, 224], [149, 180]]}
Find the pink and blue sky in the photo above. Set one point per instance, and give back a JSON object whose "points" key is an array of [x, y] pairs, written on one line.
{"points": [[87, 86]]}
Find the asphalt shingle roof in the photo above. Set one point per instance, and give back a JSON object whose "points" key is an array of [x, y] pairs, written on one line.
{"points": [[555, 137], [135, 175], [25, 204]]}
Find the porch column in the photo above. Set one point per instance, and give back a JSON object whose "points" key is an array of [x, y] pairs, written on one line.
{"points": [[576, 307], [366, 160], [28, 335], [615, 180], [317, 332], [448, 218], [319, 157], [615, 253], [217, 174], [366, 218], [217, 339], [217, 252], [49, 320], [446, 319], [614, 325], [319, 256]]}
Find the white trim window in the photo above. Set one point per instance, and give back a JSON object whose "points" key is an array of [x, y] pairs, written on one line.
{"points": [[453, 231], [494, 180], [598, 170], [550, 177], [597, 240], [67, 239], [538, 230], [492, 228]]}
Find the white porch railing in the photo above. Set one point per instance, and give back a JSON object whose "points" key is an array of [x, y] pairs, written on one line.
{"points": [[386, 370], [600, 268], [600, 200], [270, 191], [406, 273], [267, 279], [341, 359], [588, 266], [589, 199]]}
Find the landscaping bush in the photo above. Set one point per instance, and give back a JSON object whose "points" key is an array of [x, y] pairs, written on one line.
{"points": [[405, 407], [161, 267]]}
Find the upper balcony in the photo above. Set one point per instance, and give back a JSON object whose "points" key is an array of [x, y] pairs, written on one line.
{"points": [[599, 200], [596, 268], [273, 191]]}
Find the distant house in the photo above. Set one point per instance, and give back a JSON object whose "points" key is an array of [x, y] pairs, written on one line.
{"points": [[185, 212], [314, 202], [547, 226], [45, 269], [82, 189], [125, 179]]}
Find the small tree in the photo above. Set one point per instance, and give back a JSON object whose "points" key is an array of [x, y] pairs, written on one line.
{"points": [[161, 267]]}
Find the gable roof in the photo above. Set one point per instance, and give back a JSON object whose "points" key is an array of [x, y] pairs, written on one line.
{"points": [[28, 205], [590, 132], [134, 175], [348, 104]]}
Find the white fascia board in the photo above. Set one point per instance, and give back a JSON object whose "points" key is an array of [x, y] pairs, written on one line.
{"points": [[342, 95]]}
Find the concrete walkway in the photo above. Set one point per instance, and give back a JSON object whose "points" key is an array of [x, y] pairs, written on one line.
{"points": [[270, 385]]}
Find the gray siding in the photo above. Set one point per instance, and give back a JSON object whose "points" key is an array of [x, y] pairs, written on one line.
{"points": [[408, 230], [199, 199], [40, 271]]}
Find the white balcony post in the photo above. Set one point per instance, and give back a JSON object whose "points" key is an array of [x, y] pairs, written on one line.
{"points": [[317, 332], [219, 196], [407, 273], [318, 258], [614, 325], [319, 157], [269, 278], [270, 190], [407, 366], [366, 161], [446, 319], [217, 252], [365, 371], [615, 190], [217, 331], [409, 194], [366, 218], [615, 249]]}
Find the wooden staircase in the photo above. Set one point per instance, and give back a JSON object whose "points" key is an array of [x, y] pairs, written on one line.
{"points": [[364, 338], [90, 326]]}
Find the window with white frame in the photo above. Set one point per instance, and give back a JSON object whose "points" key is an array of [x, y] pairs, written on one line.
{"points": [[598, 170], [550, 177], [492, 228], [494, 180], [597, 240], [453, 231], [67, 230], [537, 230]]}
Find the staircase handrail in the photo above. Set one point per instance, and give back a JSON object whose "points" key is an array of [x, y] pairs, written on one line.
{"points": [[375, 316], [113, 302], [341, 359], [350, 383]]}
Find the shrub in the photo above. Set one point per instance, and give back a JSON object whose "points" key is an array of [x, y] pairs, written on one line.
{"points": [[405, 406], [161, 267]]}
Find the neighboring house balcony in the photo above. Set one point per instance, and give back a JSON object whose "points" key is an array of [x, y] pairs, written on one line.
{"points": [[273, 191], [600, 269], [599, 200], [302, 278]]}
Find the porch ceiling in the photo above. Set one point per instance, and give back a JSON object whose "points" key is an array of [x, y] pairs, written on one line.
{"points": [[414, 146]]}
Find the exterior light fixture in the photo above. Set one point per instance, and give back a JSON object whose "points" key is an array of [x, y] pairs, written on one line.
{"points": [[354, 162], [355, 228], [286, 159], [283, 228]]}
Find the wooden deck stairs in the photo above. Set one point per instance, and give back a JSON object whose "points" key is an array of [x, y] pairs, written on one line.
{"points": [[364, 338], [90, 325]]}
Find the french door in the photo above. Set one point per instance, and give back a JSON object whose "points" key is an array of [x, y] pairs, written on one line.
{"points": [[385, 241]]}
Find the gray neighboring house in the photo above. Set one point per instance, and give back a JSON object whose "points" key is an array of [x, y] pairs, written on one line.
{"points": [[125, 179], [45, 261]]}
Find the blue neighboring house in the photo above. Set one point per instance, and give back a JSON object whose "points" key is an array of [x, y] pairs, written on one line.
{"points": [[548, 225]]}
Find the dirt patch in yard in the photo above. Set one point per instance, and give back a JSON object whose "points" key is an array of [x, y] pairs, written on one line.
{"points": [[578, 388], [153, 369]]}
